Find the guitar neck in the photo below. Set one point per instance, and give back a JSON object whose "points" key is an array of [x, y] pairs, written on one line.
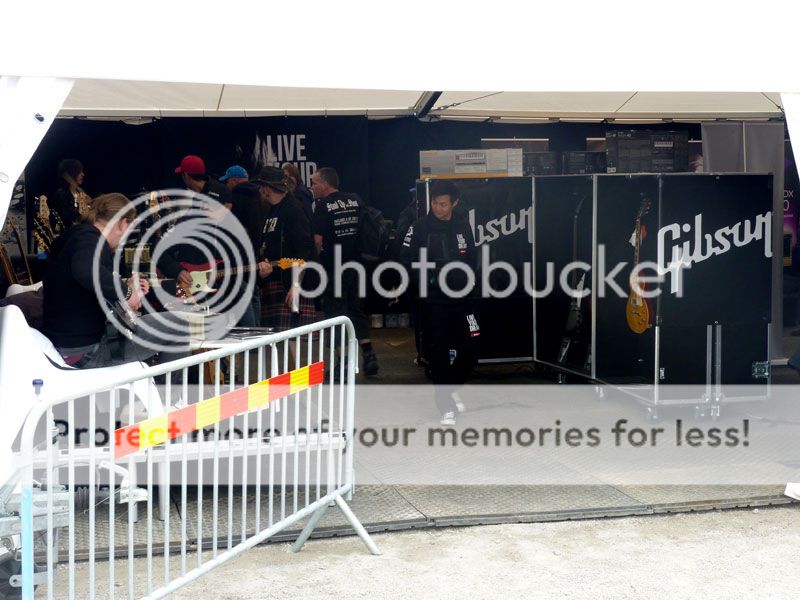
{"points": [[275, 264], [638, 241]]}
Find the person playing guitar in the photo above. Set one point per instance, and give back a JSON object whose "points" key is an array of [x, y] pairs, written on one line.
{"points": [[81, 290]]}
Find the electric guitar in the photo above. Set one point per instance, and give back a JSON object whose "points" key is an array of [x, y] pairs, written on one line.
{"points": [[43, 234], [205, 275], [572, 328], [637, 310]]}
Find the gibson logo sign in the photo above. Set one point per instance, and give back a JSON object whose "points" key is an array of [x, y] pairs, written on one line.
{"points": [[501, 226], [690, 245]]}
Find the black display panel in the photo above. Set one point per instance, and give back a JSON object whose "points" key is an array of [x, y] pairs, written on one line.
{"points": [[722, 225], [563, 208], [621, 202]]}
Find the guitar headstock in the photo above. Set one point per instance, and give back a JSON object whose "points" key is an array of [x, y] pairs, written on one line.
{"points": [[644, 208], [44, 210], [288, 263]]}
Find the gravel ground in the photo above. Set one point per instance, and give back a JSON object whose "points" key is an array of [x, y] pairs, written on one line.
{"points": [[727, 554]]}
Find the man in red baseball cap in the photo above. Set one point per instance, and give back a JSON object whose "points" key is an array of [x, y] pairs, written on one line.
{"points": [[193, 173], [191, 165]]}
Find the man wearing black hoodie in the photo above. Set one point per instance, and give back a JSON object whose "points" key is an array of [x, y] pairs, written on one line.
{"points": [[448, 326], [81, 288]]}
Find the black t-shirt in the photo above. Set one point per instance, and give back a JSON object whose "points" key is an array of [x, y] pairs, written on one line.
{"points": [[446, 242], [286, 234], [336, 219], [73, 317]]}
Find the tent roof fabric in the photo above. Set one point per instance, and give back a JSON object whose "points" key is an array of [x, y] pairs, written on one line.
{"points": [[107, 98], [119, 99], [620, 105]]}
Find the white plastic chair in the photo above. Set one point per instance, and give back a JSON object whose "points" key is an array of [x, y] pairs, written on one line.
{"points": [[26, 355]]}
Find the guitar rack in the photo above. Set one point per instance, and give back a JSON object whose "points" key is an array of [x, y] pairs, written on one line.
{"points": [[708, 328]]}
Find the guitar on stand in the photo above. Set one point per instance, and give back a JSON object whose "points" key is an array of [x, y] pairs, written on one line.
{"points": [[83, 202], [156, 203], [42, 232], [573, 326], [638, 311]]}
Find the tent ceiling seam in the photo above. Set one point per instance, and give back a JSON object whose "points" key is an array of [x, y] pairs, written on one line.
{"points": [[626, 101], [454, 104], [219, 100], [778, 106]]}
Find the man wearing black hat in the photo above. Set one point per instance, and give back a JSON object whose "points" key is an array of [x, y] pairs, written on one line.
{"points": [[286, 234]]}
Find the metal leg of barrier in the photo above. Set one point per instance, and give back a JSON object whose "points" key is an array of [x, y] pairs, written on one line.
{"points": [[351, 518], [362, 533], [309, 528]]}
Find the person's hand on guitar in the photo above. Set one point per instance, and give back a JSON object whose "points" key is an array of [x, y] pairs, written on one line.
{"points": [[293, 298], [184, 277], [264, 269], [144, 285], [137, 290]]}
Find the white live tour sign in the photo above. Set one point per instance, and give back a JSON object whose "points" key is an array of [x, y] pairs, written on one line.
{"points": [[276, 150]]}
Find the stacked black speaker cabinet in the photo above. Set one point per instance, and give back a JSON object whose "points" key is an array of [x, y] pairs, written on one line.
{"points": [[709, 326]]}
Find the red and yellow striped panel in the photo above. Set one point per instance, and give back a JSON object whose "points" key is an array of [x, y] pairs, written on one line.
{"points": [[162, 428]]}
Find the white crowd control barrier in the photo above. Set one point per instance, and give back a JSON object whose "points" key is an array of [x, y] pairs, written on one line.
{"points": [[230, 462]]}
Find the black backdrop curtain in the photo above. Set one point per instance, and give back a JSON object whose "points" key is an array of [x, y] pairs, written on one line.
{"points": [[377, 159]]}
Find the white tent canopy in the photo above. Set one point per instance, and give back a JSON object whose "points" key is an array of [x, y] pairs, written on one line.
{"points": [[111, 98], [108, 98]]}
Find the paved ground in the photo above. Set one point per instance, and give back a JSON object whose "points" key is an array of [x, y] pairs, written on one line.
{"points": [[729, 554]]}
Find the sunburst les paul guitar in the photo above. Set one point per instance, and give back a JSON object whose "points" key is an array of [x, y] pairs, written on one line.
{"points": [[637, 310]]}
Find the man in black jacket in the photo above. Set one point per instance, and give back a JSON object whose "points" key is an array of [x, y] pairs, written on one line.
{"points": [[448, 325], [286, 234]]}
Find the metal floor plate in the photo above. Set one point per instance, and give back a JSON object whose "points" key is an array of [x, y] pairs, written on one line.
{"points": [[677, 498], [391, 508], [379, 508], [102, 532], [446, 505]]}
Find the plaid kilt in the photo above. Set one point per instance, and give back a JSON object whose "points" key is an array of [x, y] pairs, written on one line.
{"points": [[275, 313]]}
